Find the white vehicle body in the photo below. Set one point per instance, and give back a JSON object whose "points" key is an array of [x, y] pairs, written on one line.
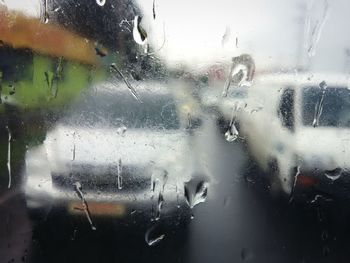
{"points": [[149, 159], [270, 139]]}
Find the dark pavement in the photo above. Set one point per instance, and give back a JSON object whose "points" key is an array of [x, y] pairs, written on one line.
{"points": [[239, 221]]}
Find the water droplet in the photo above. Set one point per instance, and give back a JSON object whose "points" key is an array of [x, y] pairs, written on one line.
{"points": [[231, 134], [319, 197], [152, 236], [9, 157], [159, 205], [189, 121], [241, 72], [177, 197], [226, 36], [153, 183], [296, 176], [319, 105], [139, 34], [119, 175], [52, 83], [101, 51], [192, 216], [78, 190], [101, 2], [164, 179], [196, 191], [316, 32], [73, 150], [44, 12], [74, 234], [154, 9], [334, 174], [131, 88], [324, 235], [325, 251], [227, 200], [323, 85], [246, 254], [121, 130]]}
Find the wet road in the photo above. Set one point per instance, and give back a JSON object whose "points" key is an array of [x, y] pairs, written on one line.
{"points": [[238, 222]]}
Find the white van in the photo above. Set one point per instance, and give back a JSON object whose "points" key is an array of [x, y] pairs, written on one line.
{"points": [[299, 125]]}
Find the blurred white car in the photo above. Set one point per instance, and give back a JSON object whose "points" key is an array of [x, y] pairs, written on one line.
{"points": [[112, 154], [297, 127]]}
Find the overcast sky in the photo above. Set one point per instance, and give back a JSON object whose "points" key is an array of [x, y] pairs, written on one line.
{"points": [[272, 31]]}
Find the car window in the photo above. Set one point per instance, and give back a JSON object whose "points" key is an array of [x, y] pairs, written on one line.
{"points": [[174, 131], [335, 106], [157, 111]]}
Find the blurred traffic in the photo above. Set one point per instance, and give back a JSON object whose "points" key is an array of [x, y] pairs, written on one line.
{"points": [[118, 122]]}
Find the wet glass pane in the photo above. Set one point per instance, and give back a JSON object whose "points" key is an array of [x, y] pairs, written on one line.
{"points": [[174, 131]]}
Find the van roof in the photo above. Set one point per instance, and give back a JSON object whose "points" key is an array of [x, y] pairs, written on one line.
{"points": [[296, 79]]}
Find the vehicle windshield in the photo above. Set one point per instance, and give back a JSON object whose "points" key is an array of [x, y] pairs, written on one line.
{"points": [[177, 131], [335, 108], [113, 108]]}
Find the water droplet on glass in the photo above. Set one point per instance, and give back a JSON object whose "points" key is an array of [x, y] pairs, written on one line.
{"points": [[316, 198], [334, 174], [226, 36], [246, 254], [139, 34], [130, 87], [152, 236], [196, 191], [241, 73], [44, 13], [232, 133], [101, 2], [319, 105], [317, 28], [9, 157], [325, 251], [74, 234], [296, 176], [121, 130], [78, 190], [101, 51], [227, 200], [52, 83], [189, 121], [154, 9], [192, 216], [119, 175], [73, 150], [159, 205], [324, 235]]}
